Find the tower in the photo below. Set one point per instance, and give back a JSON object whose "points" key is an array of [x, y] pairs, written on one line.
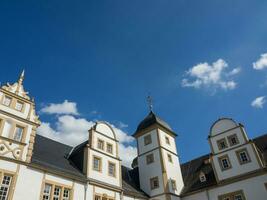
{"points": [[158, 162], [18, 122]]}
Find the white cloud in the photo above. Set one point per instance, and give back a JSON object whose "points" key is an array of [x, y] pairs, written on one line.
{"points": [[211, 76], [258, 102], [72, 130], [61, 108], [261, 63]]}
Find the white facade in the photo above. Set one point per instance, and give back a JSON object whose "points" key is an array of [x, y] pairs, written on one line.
{"points": [[238, 167]]}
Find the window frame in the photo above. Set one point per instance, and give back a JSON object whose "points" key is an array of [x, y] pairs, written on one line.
{"points": [[229, 138], [22, 105], [170, 158], [150, 159], [100, 163], [147, 139], [167, 140], [238, 152], [114, 170], [111, 145], [231, 195], [173, 185], [10, 188], [152, 186], [99, 141], [6, 97], [221, 164], [219, 144], [55, 185], [22, 133]]}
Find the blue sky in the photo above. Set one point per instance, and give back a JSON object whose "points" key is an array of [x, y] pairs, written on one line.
{"points": [[106, 56]]}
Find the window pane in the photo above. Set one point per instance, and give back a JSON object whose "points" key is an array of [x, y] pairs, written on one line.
{"points": [[66, 194], [19, 106], [18, 133], [111, 169], [96, 164]]}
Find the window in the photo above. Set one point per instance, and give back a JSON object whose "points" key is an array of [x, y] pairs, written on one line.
{"points": [[7, 101], [100, 144], [224, 162], [66, 194], [109, 148], [19, 106], [170, 158], [57, 192], [167, 139], [97, 197], [18, 133], [202, 177], [154, 183], [243, 156], [238, 195], [111, 169], [150, 158], [5, 186], [265, 185], [233, 140], [54, 192], [222, 144], [97, 163], [47, 192], [173, 182], [147, 139]]}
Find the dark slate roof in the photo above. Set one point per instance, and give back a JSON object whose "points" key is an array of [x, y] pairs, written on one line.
{"points": [[151, 119], [54, 155]]}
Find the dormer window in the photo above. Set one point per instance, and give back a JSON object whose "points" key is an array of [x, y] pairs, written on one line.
{"points": [[100, 144], [202, 177], [19, 106], [222, 144], [224, 162], [109, 148], [233, 140], [243, 156], [167, 139], [147, 140], [7, 101]]}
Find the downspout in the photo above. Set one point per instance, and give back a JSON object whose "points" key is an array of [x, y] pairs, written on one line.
{"points": [[85, 190], [207, 194]]}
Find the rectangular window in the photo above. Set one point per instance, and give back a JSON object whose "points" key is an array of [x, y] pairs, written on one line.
{"points": [[100, 144], [7, 101], [265, 185], [5, 186], [54, 192], [47, 192], [154, 183], [19, 106], [233, 140], [167, 139], [150, 158], [66, 194], [173, 182], [147, 140], [7, 128], [97, 163], [18, 133], [109, 148], [97, 197], [238, 195], [170, 158], [224, 162], [222, 144], [111, 169], [243, 156]]}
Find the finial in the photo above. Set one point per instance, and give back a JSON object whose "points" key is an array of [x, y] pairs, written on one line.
{"points": [[150, 102], [21, 78]]}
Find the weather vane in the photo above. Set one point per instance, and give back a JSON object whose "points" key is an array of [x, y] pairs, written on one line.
{"points": [[150, 102]]}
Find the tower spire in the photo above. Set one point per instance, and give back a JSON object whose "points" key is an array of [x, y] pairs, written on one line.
{"points": [[21, 77], [150, 103]]}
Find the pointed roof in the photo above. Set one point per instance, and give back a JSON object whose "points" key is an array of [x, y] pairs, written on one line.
{"points": [[150, 120]]}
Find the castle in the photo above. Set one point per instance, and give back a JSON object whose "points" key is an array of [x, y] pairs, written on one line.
{"points": [[33, 167]]}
